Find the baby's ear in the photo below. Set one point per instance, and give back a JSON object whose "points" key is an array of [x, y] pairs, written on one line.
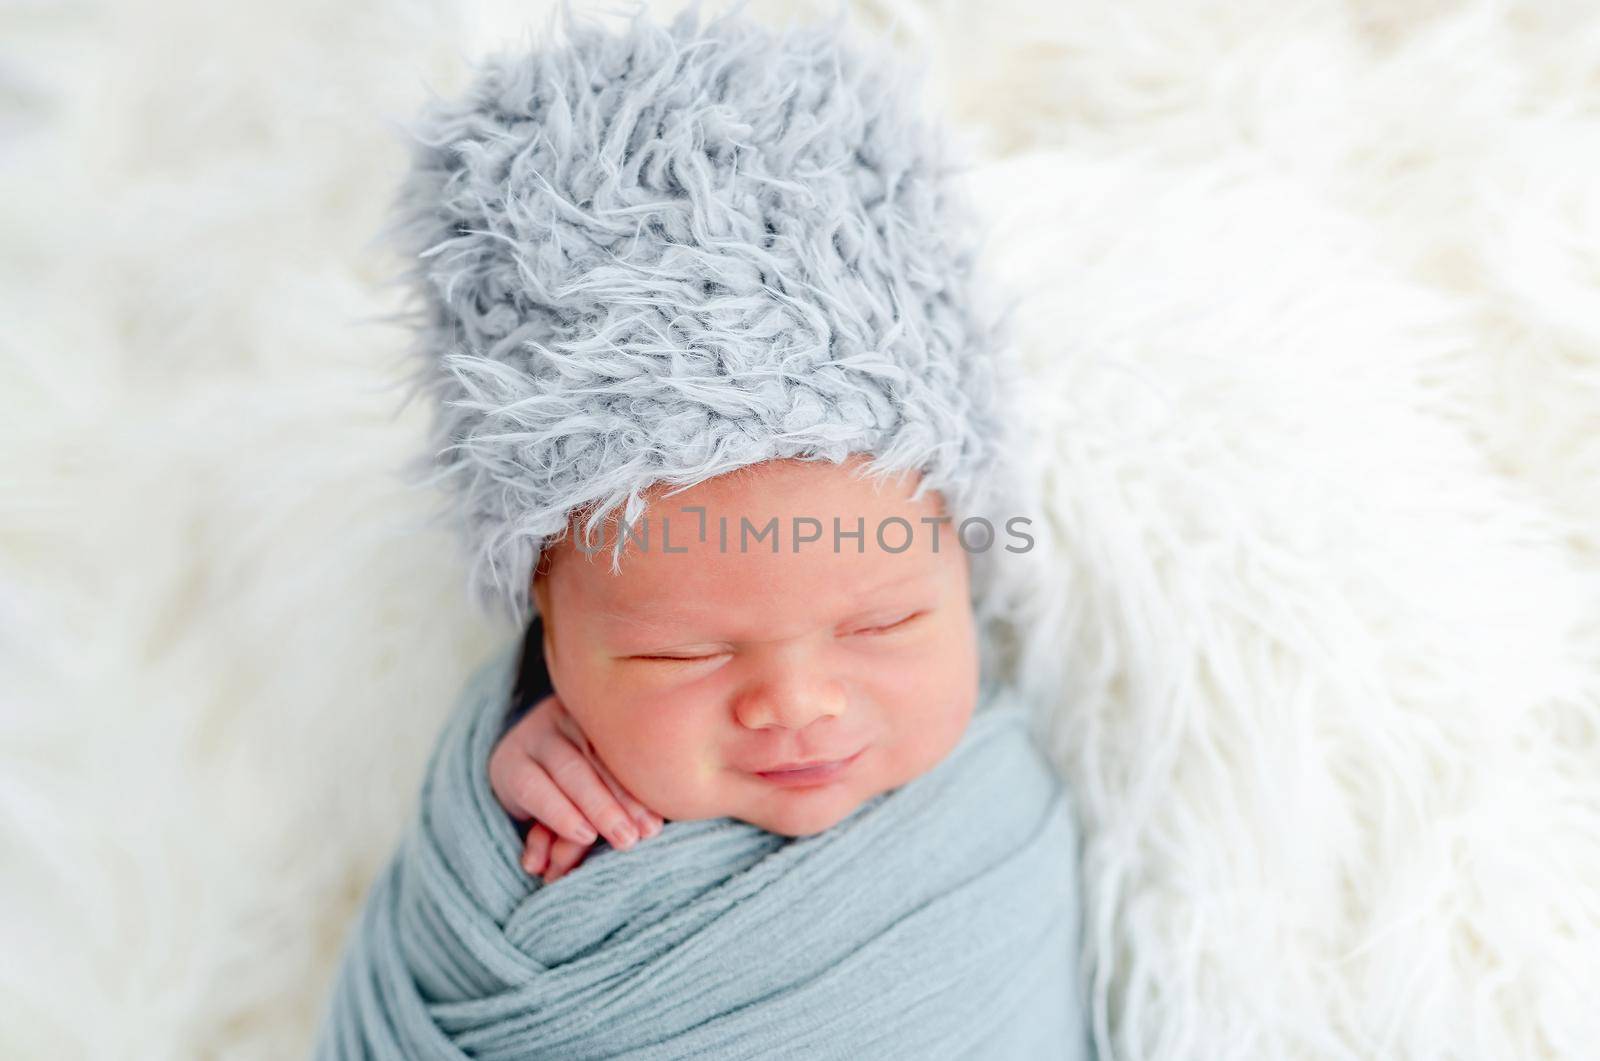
{"points": [[541, 598], [538, 586], [541, 573]]}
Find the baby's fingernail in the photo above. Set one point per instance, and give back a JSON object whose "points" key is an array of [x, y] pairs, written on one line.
{"points": [[627, 836], [587, 835]]}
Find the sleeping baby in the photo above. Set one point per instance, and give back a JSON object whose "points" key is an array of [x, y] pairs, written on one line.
{"points": [[777, 682], [718, 403], [853, 847]]}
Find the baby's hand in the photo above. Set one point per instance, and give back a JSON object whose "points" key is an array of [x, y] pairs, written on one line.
{"points": [[544, 768]]}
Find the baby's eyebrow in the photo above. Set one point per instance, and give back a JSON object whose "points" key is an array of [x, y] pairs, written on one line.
{"points": [[634, 618], [895, 583]]}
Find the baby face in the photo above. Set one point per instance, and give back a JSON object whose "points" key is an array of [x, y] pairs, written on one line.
{"points": [[694, 672]]}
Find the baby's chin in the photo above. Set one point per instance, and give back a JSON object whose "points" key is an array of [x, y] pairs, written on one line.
{"points": [[793, 812], [801, 812], [797, 821]]}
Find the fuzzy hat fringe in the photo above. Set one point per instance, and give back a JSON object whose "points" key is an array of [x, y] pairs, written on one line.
{"points": [[659, 254]]}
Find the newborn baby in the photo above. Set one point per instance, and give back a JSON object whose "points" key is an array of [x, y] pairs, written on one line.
{"points": [[775, 680], [716, 271], [818, 912]]}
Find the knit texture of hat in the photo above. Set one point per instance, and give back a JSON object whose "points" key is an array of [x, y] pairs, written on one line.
{"points": [[665, 252]]}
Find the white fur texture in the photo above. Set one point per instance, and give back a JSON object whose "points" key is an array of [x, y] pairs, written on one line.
{"points": [[1313, 321]]}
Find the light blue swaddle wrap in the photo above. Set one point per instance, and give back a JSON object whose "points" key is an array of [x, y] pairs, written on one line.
{"points": [[938, 920]]}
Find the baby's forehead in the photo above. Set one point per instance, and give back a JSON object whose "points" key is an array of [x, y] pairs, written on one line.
{"points": [[742, 534], [788, 487], [775, 479]]}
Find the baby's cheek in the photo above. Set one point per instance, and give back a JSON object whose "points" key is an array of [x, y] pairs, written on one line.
{"points": [[683, 785], [703, 770]]}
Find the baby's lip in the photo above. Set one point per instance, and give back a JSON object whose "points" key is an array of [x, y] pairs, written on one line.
{"points": [[805, 764]]}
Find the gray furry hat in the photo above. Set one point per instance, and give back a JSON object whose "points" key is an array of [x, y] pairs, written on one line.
{"points": [[666, 252]]}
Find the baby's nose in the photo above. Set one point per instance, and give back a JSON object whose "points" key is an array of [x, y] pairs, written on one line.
{"points": [[790, 695]]}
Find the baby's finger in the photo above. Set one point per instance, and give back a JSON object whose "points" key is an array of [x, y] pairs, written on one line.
{"points": [[540, 796], [536, 849], [564, 858], [568, 726], [648, 821], [582, 783]]}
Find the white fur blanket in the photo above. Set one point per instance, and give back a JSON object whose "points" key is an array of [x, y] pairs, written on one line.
{"points": [[1312, 301]]}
